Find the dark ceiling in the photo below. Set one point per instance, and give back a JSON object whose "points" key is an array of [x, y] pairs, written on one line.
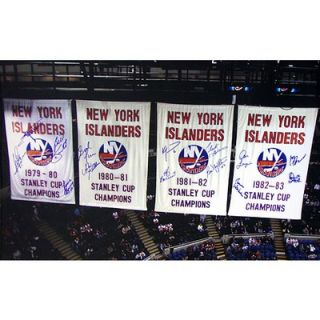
{"points": [[279, 83]]}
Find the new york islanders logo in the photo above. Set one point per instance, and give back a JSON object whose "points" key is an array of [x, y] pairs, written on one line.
{"points": [[39, 152], [193, 159], [113, 155], [271, 162]]}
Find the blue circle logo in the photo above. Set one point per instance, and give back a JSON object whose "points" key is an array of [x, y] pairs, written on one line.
{"points": [[271, 162], [193, 159], [113, 154], [39, 152]]}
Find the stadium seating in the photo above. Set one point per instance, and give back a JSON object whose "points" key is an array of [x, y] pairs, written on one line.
{"points": [[97, 233], [302, 249], [97, 236], [253, 248], [203, 251], [21, 238], [173, 229], [237, 225]]}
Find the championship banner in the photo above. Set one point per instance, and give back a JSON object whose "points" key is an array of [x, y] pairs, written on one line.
{"points": [[271, 162], [113, 140], [193, 158], [39, 138]]}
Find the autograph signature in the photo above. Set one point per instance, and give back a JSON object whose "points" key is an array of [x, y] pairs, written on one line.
{"points": [[28, 133], [17, 160], [293, 178], [84, 151], [60, 144], [68, 186], [167, 175], [238, 186], [212, 150], [171, 147], [242, 156], [89, 167], [216, 166], [295, 160]]}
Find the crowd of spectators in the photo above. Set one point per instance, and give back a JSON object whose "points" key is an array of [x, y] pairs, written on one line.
{"points": [[169, 229], [302, 249], [203, 251], [253, 248], [99, 234], [311, 199], [21, 239], [237, 225], [308, 225]]}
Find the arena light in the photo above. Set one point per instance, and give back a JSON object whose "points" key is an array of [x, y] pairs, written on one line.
{"points": [[239, 88], [282, 89], [287, 90], [294, 90]]}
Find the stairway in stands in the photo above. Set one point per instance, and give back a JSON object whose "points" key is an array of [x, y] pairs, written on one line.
{"points": [[278, 239], [212, 232], [57, 242], [143, 234]]}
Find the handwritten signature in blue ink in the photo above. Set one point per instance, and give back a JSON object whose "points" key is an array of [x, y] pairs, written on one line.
{"points": [[212, 150], [238, 186], [17, 158], [295, 160], [60, 144], [167, 175], [171, 147], [242, 156], [89, 167], [29, 133], [84, 151], [68, 186], [293, 178], [216, 167]]}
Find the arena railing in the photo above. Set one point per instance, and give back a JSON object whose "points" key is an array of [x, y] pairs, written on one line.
{"points": [[302, 236], [179, 247], [225, 238]]}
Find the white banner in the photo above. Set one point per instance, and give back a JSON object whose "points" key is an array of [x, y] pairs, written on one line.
{"points": [[113, 140], [193, 158], [271, 162], [39, 138]]}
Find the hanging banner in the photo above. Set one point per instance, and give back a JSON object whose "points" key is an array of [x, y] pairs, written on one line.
{"points": [[39, 138], [271, 162], [113, 140], [193, 158]]}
